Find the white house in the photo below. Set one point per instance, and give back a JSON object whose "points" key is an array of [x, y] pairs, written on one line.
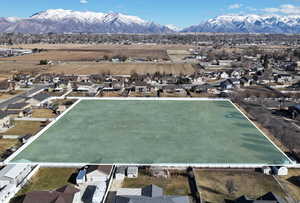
{"points": [[132, 172], [13, 174], [99, 192], [6, 192], [98, 173]]}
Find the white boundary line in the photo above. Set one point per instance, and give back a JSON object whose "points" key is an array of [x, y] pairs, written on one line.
{"points": [[261, 131], [208, 165], [33, 138]]}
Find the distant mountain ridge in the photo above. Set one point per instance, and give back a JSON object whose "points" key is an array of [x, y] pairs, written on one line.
{"points": [[68, 21], [273, 24]]}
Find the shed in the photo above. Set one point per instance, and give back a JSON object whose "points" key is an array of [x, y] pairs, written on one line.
{"points": [[280, 171], [80, 178], [132, 172], [120, 173]]}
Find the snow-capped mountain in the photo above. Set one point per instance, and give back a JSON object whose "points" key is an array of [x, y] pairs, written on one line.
{"points": [[249, 24], [68, 21], [173, 27]]}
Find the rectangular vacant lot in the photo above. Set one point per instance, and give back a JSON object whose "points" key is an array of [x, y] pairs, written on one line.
{"points": [[153, 132]]}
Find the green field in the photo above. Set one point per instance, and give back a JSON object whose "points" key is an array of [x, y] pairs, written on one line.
{"points": [[153, 132]]}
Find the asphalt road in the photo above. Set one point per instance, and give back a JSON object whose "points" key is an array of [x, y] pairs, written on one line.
{"points": [[21, 96]]}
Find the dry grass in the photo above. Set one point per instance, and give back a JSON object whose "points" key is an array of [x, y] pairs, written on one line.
{"points": [[10, 94], [289, 182], [175, 185], [7, 143], [212, 185], [9, 67], [120, 68], [142, 94], [48, 179], [98, 46], [43, 113], [24, 127], [110, 94]]}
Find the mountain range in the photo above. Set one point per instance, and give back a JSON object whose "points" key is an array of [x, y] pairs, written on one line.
{"points": [[68, 21]]}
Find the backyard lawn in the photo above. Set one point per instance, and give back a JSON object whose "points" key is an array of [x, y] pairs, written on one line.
{"points": [[6, 144], [24, 127], [291, 183], [48, 179], [43, 113], [213, 185], [174, 185]]}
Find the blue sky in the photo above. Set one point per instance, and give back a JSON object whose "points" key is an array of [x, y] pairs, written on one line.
{"points": [[181, 13]]}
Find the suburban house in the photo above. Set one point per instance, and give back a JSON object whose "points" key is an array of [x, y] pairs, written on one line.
{"points": [[267, 198], [149, 194], [5, 121], [141, 86], [20, 109], [65, 194], [38, 99], [227, 84], [98, 173], [11, 176]]}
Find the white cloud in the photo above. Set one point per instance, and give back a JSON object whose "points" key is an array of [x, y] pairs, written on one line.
{"points": [[235, 6], [84, 1], [288, 9]]}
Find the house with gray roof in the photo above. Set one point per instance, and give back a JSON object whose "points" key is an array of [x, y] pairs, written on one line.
{"points": [[151, 194]]}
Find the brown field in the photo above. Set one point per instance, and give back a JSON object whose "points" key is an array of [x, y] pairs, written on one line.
{"points": [[212, 185], [43, 113], [7, 143], [10, 67], [88, 54], [99, 46], [10, 94], [120, 68], [24, 127]]}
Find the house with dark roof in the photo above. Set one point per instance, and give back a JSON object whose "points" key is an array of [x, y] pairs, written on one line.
{"points": [[37, 99], [65, 194], [149, 194], [269, 197], [5, 121], [19, 109]]}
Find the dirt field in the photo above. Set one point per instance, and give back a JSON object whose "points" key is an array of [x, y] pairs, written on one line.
{"points": [[120, 68], [88, 55], [99, 46], [213, 188]]}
